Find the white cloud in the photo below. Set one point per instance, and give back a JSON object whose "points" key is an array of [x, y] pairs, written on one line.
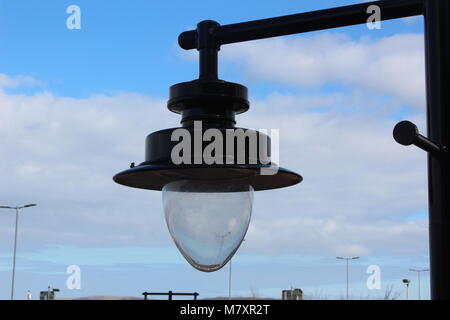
{"points": [[62, 153], [391, 66], [358, 182], [359, 187], [18, 81], [352, 250]]}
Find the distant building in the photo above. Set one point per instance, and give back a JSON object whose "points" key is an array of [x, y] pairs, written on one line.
{"points": [[47, 295], [293, 294]]}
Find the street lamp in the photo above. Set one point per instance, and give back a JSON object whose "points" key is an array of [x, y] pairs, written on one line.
{"points": [[347, 259], [202, 197], [419, 271], [407, 282], [15, 241], [215, 102]]}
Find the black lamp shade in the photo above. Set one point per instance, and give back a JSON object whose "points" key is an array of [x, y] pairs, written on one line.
{"points": [[156, 176], [158, 169]]}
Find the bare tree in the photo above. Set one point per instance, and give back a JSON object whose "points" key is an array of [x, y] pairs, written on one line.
{"points": [[254, 293], [390, 294]]}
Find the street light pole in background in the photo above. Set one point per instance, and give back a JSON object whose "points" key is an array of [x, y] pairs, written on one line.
{"points": [[347, 259], [229, 277], [407, 282], [418, 276], [15, 241], [229, 281]]}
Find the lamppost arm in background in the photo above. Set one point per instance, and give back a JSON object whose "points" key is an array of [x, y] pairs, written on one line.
{"points": [[210, 35], [15, 242]]}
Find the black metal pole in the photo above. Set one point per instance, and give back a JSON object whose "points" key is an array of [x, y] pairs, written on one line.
{"points": [[437, 51], [304, 22], [208, 50]]}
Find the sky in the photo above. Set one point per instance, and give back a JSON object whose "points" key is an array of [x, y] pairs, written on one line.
{"points": [[77, 104]]}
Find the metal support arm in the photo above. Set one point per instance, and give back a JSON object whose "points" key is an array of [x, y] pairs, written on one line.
{"points": [[304, 22], [406, 133]]}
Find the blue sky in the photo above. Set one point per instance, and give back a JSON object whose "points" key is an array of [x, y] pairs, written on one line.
{"points": [[67, 97], [131, 45]]}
